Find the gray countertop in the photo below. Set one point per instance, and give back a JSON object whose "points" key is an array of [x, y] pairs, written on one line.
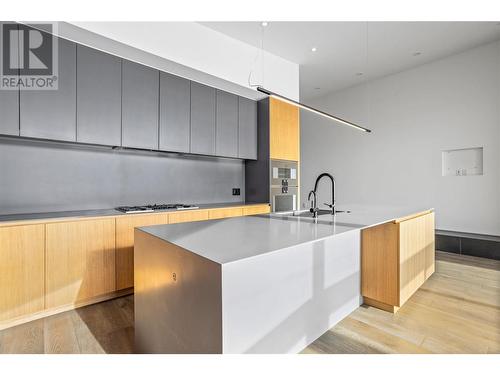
{"points": [[366, 215], [228, 240], [103, 212]]}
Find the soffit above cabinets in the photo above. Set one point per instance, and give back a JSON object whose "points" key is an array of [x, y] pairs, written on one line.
{"points": [[77, 33]]}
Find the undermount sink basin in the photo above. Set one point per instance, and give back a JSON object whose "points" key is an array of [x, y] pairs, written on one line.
{"points": [[323, 214], [320, 212]]}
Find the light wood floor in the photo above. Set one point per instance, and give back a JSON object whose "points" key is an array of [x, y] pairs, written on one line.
{"points": [[106, 327], [456, 311]]}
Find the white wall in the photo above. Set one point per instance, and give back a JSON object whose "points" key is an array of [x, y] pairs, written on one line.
{"points": [[199, 47], [447, 104]]}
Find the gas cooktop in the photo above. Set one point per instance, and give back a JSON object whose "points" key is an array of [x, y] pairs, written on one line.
{"points": [[155, 207]]}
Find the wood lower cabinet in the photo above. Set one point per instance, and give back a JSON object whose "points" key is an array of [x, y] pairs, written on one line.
{"points": [[255, 210], [80, 261], [217, 213], [21, 271], [187, 216], [417, 254], [125, 245], [221, 213], [49, 267], [396, 259]]}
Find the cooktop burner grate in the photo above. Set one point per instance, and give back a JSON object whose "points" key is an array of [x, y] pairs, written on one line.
{"points": [[155, 207]]}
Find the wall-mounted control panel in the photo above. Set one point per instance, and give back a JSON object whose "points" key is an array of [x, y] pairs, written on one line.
{"points": [[462, 162]]}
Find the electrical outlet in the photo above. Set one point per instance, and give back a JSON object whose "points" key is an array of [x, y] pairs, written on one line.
{"points": [[236, 191]]}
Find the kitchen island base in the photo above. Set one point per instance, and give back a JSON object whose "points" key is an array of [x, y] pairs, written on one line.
{"points": [[275, 302]]}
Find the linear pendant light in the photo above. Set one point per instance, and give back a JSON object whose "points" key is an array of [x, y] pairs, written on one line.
{"points": [[311, 109]]}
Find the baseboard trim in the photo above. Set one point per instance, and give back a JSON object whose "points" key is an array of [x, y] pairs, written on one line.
{"points": [[380, 305], [57, 310]]}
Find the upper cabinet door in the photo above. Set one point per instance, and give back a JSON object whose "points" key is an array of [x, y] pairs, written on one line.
{"points": [[227, 125], [202, 119], [98, 97], [51, 114], [284, 132], [139, 106], [175, 113], [247, 133], [9, 99]]}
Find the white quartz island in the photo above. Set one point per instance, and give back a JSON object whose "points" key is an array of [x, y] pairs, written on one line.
{"points": [[255, 284]]}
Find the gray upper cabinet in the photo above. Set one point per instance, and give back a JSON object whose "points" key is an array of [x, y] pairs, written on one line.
{"points": [[9, 112], [175, 113], [226, 142], [98, 97], [51, 114], [247, 134], [105, 100], [9, 102], [139, 106], [202, 119]]}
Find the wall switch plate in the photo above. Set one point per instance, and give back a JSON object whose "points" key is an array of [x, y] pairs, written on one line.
{"points": [[236, 191]]}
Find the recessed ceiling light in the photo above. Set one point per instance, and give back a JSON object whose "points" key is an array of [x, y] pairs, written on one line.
{"points": [[314, 49], [264, 24], [418, 53], [359, 74]]}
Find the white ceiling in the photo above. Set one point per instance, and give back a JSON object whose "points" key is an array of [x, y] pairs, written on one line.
{"points": [[345, 49]]}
